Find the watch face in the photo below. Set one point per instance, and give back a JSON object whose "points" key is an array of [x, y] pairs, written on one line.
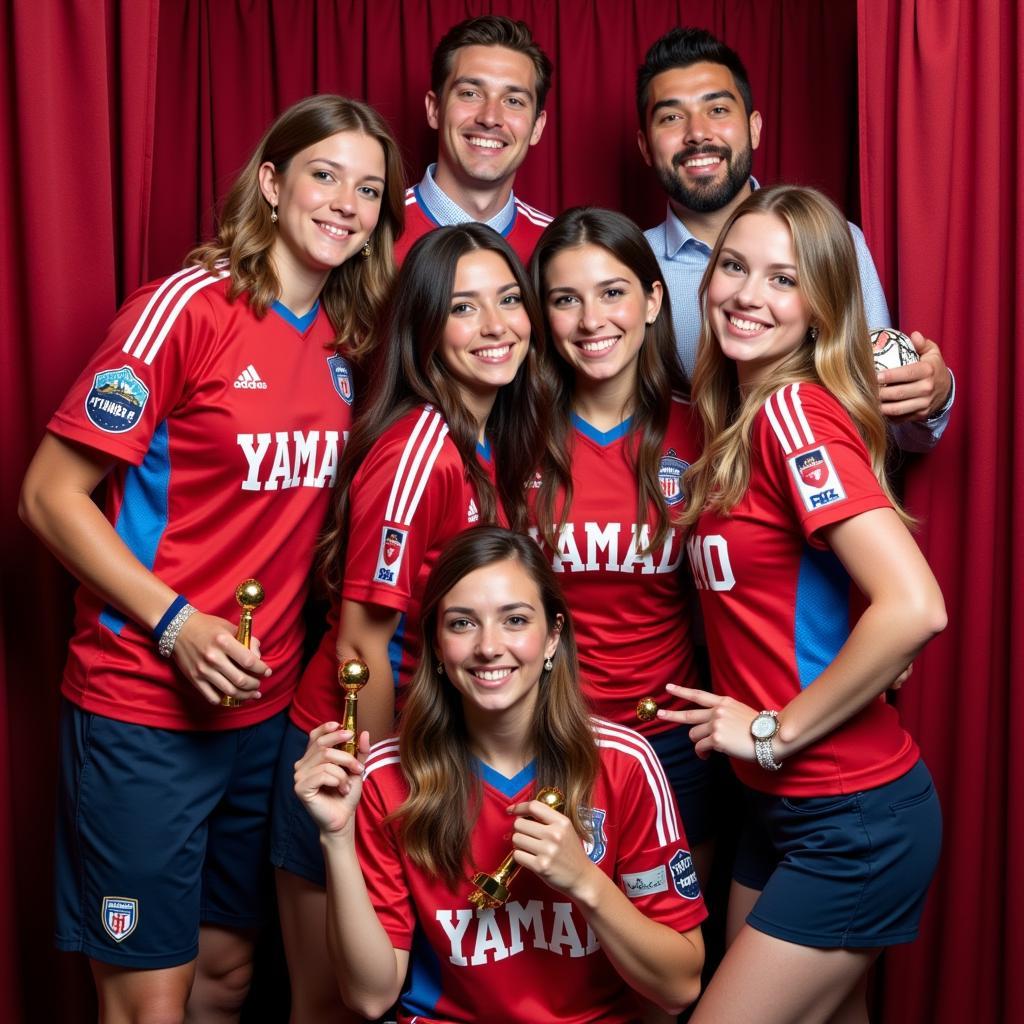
{"points": [[764, 727]]}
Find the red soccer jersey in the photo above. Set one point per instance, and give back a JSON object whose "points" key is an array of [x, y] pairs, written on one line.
{"points": [[407, 500], [227, 430], [534, 960], [630, 610], [522, 234], [777, 601]]}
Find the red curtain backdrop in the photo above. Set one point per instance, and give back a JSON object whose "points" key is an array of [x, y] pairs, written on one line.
{"points": [[942, 119], [124, 121]]}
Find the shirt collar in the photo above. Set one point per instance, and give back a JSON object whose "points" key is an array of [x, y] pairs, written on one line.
{"points": [[446, 211], [677, 234]]}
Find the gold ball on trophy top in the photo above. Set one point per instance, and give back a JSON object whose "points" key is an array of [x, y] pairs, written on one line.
{"points": [[353, 674], [552, 796], [646, 709], [249, 594]]}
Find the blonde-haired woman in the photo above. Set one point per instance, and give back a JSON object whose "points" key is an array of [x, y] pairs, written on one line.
{"points": [[215, 410], [602, 909], [815, 598]]}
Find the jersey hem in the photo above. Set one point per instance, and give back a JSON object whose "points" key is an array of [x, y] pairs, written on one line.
{"points": [[828, 941], [68, 431], [841, 512]]}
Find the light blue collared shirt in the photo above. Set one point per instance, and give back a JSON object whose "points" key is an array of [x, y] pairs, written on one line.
{"points": [[446, 211], [683, 258]]}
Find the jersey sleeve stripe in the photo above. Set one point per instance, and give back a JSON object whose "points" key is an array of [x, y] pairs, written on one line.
{"points": [[784, 397], [533, 214], [635, 746], [161, 296], [412, 477], [382, 761], [786, 414], [168, 323], [389, 513], [780, 433], [425, 475], [798, 409]]}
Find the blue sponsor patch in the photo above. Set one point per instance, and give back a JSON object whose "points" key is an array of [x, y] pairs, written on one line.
{"points": [[597, 846], [341, 377], [684, 875], [116, 400], [670, 477], [120, 915]]}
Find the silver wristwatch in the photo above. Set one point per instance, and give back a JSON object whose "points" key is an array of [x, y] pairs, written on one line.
{"points": [[763, 729]]}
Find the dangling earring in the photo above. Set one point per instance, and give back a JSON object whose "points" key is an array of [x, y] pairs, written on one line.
{"points": [[440, 668], [813, 332], [366, 250], [273, 215], [548, 664]]}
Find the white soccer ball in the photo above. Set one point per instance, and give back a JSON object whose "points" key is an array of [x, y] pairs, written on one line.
{"points": [[892, 348]]}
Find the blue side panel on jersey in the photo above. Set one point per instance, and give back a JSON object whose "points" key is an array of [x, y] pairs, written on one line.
{"points": [[142, 518], [423, 206], [300, 323], [503, 784], [602, 437], [822, 621], [423, 988], [395, 648]]}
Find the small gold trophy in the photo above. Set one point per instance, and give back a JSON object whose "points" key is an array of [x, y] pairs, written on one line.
{"points": [[646, 709], [353, 675], [249, 595], [492, 891]]}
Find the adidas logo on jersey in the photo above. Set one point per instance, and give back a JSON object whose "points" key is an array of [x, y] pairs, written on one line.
{"points": [[250, 380], [472, 513]]}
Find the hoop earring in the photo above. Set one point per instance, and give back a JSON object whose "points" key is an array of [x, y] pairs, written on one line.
{"points": [[273, 215], [366, 250], [548, 664]]}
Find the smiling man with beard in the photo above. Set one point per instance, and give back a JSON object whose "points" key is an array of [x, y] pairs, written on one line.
{"points": [[698, 132]]}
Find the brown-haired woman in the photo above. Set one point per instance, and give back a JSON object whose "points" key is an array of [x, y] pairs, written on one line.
{"points": [[215, 409], [494, 712], [449, 437]]}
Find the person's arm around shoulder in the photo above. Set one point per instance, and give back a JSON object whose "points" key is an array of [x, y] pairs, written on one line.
{"points": [[56, 503], [660, 963], [328, 781]]}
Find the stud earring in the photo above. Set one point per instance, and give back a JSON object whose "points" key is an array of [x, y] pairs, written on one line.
{"points": [[440, 668], [273, 215], [548, 664], [366, 250], [813, 332]]}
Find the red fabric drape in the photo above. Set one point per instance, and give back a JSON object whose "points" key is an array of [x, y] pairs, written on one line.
{"points": [[942, 119], [123, 124]]}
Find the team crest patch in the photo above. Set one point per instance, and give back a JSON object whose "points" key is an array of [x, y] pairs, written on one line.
{"points": [[597, 846], [120, 915], [341, 377], [389, 560], [643, 883], [670, 477], [116, 400], [684, 875], [816, 478]]}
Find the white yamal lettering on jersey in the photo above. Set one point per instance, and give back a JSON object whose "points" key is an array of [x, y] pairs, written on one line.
{"points": [[485, 936], [709, 560], [602, 545], [290, 459]]}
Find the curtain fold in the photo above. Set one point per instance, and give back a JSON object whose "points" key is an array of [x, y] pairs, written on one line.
{"points": [[941, 124]]}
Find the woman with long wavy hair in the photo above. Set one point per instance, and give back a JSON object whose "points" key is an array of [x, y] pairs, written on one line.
{"points": [[214, 410], [623, 432], [450, 435], [815, 600], [602, 910]]}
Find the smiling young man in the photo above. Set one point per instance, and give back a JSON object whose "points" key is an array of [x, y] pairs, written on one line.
{"points": [[698, 132], [488, 83]]}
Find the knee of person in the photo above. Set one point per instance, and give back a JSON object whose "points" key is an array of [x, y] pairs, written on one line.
{"points": [[223, 984], [157, 1009]]}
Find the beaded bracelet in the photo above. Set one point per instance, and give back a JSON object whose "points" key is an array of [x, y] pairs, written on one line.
{"points": [[169, 635]]}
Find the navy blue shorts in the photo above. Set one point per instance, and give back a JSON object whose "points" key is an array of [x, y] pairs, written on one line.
{"points": [[157, 831], [842, 870], [294, 836], [691, 779]]}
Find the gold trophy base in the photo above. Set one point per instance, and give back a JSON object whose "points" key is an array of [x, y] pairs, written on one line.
{"points": [[227, 701], [489, 892]]}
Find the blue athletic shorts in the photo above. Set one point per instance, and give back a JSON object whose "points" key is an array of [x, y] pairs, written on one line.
{"points": [[157, 831], [842, 870], [294, 836], [692, 780]]}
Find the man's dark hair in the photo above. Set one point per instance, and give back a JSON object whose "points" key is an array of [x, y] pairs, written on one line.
{"points": [[680, 48], [491, 30]]}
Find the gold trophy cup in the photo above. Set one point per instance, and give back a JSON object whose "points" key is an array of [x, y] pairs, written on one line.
{"points": [[492, 891], [353, 675], [646, 709], [249, 595]]}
